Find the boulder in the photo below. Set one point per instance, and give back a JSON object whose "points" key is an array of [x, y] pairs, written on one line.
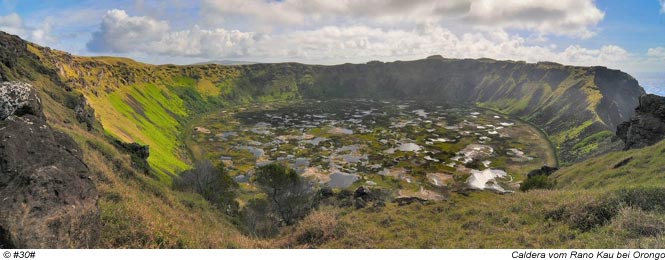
{"points": [[545, 170], [363, 193], [18, 98], [326, 192], [647, 126], [47, 196], [360, 203]]}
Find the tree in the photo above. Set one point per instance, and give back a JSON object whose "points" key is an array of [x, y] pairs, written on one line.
{"points": [[212, 182], [290, 196]]}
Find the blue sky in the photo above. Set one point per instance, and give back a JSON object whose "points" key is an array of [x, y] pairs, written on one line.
{"points": [[626, 35]]}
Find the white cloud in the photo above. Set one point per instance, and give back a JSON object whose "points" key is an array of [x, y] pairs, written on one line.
{"points": [[563, 17], [121, 33], [662, 6], [575, 18], [657, 53], [44, 33], [12, 23]]}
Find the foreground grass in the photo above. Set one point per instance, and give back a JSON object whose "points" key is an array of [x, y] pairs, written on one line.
{"points": [[595, 205]]}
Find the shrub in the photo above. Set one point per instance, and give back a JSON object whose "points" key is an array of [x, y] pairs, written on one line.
{"points": [[537, 182], [586, 214], [637, 223], [212, 182], [643, 198], [258, 219], [290, 196]]}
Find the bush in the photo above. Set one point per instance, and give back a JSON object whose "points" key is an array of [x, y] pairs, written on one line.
{"points": [[537, 182], [290, 196], [650, 199], [637, 223], [587, 213], [258, 219], [212, 182]]}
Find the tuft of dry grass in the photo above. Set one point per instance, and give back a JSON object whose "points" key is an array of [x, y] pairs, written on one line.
{"points": [[637, 223], [317, 228]]}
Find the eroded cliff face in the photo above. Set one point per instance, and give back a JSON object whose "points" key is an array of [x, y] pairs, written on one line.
{"points": [[47, 196], [647, 126]]}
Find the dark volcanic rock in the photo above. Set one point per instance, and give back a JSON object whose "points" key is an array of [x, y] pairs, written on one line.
{"points": [[47, 197], [18, 98], [622, 163], [84, 113], [139, 154], [545, 170], [363, 193], [360, 203], [647, 126], [401, 201], [141, 151]]}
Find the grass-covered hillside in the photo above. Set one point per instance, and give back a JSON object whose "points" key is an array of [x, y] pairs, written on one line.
{"points": [[593, 204], [136, 210], [612, 201]]}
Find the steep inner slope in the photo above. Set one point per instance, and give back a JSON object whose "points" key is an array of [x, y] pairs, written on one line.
{"points": [[136, 210], [578, 107]]}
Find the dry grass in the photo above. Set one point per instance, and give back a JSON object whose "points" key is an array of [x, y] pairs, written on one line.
{"points": [[317, 228]]}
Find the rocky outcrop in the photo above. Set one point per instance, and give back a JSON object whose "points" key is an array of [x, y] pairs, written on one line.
{"points": [[47, 197], [139, 154], [84, 113], [647, 126]]}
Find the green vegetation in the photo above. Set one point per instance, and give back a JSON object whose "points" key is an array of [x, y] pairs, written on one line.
{"points": [[537, 182], [211, 182], [289, 196], [154, 118], [594, 203]]}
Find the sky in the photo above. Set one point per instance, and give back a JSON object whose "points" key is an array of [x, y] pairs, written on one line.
{"points": [[619, 34]]}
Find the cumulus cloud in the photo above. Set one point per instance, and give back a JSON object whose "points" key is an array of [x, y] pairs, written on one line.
{"points": [[657, 53], [568, 17], [122, 33], [43, 34], [12, 23], [662, 6], [575, 18]]}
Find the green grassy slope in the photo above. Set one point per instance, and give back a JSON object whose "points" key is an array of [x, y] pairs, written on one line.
{"points": [[595, 204], [137, 210], [643, 168]]}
